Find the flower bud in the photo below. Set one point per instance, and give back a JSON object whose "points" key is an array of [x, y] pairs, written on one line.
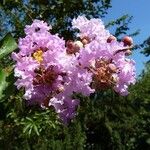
{"points": [[128, 52], [85, 40], [70, 51], [69, 44], [77, 46], [128, 41], [111, 38], [73, 47], [78, 43]]}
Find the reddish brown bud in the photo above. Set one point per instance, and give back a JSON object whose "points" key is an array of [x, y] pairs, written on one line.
{"points": [[76, 48], [127, 41], [111, 38], [70, 51], [73, 47], [85, 40], [69, 44]]}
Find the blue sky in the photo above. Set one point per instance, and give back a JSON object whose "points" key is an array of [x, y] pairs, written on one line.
{"points": [[140, 10]]}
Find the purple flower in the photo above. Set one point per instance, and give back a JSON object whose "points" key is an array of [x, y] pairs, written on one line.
{"points": [[51, 72], [43, 68], [37, 27], [104, 61], [93, 28]]}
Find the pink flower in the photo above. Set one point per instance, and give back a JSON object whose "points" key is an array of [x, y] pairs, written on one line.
{"points": [[42, 68], [51, 72], [104, 61]]}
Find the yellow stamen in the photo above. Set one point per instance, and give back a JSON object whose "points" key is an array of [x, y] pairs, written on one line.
{"points": [[38, 55]]}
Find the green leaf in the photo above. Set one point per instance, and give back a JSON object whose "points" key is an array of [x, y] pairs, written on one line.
{"points": [[30, 130], [6, 82], [29, 119], [26, 128], [148, 141], [8, 44], [36, 130], [3, 82]]}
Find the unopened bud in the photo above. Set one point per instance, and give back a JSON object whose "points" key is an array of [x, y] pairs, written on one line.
{"points": [[69, 44], [85, 40], [73, 47], [70, 51], [128, 52], [111, 38], [128, 41], [79, 44]]}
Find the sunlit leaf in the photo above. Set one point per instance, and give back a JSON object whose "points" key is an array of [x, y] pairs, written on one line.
{"points": [[3, 83], [26, 128], [36, 130], [8, 44]]}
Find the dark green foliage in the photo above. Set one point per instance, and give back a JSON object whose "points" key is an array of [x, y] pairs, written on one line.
{"points": [[58, 13], [140, 94], [24, 128], [102, 123], [120, 26], [7, 45], [146, 47]]}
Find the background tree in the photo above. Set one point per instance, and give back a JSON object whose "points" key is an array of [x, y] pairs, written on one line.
{"points": [[58, 13], [146, 47]]}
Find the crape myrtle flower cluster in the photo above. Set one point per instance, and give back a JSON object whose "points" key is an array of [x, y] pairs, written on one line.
{"points": [[51, 70]]}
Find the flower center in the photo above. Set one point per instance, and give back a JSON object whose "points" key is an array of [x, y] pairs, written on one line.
{"points": [[103, 74], [47, 76], [38, 55]]}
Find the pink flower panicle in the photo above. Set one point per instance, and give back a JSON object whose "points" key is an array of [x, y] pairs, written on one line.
{"points": [[52, 70], [103, 57], [42, 68]]}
